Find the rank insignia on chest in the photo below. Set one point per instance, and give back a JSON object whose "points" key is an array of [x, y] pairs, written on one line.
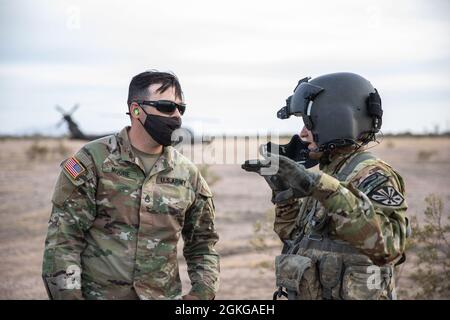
{"points": [[73, 167]]}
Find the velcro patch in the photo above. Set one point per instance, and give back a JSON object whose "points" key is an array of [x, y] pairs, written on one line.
{"points": [[73, 167], [169, 180], [386, 195], [372, 182]]}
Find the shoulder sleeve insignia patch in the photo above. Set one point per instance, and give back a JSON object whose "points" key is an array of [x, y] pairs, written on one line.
{"points": [[73, 167], [386, 195], [372, 182]]}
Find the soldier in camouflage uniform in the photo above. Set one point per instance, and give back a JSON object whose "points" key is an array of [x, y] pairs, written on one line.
{"points": [[121, 203], [344, 227]]}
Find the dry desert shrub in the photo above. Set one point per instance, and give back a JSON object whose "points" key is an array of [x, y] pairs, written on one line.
{"points": [[263, 236], [37, 150], [390, 144], [40, 150], [61, 149], [425, 155], [430, 242]]}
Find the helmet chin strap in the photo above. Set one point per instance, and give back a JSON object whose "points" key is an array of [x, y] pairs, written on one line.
{"points": [[325, 159], [328, 148]]}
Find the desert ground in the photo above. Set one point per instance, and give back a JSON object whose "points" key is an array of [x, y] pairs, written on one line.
{"points": [[28, 171]]}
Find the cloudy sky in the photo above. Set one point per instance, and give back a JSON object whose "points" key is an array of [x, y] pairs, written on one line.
{"points": [[237, 60]]}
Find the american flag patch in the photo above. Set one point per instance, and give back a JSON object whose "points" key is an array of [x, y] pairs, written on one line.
{"points": [[73, 167]]}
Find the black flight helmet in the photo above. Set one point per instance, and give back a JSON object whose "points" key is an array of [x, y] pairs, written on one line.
{"points": [[340, 109]]}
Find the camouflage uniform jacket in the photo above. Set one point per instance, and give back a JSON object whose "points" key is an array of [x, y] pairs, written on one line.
{"points": [[113, 231], [366, 212]]}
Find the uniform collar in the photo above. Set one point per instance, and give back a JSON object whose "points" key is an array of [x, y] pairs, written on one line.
{"points": [[124, 144], [165, 161]]}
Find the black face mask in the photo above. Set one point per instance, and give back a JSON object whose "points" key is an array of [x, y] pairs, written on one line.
{"points": [[161, 128]]}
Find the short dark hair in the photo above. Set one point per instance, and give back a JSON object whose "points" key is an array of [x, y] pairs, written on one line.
{"points": [[140, 83]]}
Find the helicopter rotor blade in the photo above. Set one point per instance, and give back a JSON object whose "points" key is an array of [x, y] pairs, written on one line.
{"points": [[60, 109], [59, 123], [74, 108]]}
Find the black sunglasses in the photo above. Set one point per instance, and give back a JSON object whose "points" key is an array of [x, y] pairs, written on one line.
{"points": [[165, 106]]}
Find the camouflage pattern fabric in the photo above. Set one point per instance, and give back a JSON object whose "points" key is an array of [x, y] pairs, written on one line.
{"points": [[366, 211], [113, 231]]}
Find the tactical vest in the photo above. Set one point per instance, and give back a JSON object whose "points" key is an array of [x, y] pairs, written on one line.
{"points": [[313, 266]]}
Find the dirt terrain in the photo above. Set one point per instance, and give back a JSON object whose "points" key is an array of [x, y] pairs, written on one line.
{"points": [[27, 177]]}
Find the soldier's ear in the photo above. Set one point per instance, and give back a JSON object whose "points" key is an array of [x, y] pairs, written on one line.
{"points": [[134, 110]]}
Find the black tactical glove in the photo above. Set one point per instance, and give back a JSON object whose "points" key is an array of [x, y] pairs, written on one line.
{"points": [[297, 150], [279, 189], [300, 181]]}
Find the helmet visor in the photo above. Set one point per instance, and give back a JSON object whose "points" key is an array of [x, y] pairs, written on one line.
{"points": [[300, 103]]}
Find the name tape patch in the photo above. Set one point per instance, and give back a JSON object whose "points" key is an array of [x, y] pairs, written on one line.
{"points": [[169, 180]]}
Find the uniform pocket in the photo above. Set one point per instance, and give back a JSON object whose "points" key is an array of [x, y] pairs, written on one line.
{"points": [[168, 204], [297, 274], [330, 268], [363, 283], [171, 200]]}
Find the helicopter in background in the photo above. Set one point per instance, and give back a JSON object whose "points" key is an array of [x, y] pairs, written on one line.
{"points": [[75, 132]]}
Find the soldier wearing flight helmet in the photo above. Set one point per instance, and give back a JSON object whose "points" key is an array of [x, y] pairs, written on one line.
{"points": [[344, 227]]}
